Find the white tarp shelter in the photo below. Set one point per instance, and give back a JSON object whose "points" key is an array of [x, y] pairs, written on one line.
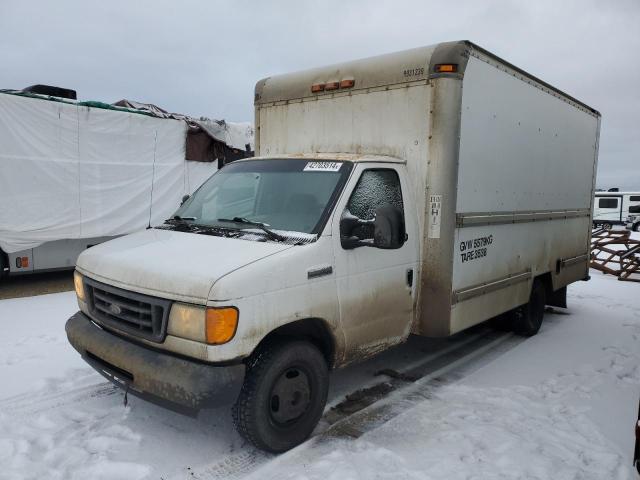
{"points": [[69, 170]]}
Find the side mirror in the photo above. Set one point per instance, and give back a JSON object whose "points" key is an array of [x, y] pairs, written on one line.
{"points": [[184, 199], [348, 237], [389, 230], [385, 231]]}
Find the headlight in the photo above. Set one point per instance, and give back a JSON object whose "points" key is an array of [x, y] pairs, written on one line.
{"points": [[208, 325], [187, 321], [79, 284]]}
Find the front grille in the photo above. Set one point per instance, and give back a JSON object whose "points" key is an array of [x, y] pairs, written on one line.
{"points": [[134, 313]]}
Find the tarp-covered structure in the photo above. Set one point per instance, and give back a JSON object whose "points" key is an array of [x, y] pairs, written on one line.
{"points": [[73, 169], [207, 140]]}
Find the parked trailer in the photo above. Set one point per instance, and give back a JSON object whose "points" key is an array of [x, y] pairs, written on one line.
{"points": [[614, 208], [423, 191], [75, 174]]}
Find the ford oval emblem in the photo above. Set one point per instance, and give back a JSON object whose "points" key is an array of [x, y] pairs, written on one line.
{"points": [[115, 309]]}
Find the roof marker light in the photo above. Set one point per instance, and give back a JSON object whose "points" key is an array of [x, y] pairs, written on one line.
{"points": [[347, 83], [332, 85], [318, 87], [446, 68]]}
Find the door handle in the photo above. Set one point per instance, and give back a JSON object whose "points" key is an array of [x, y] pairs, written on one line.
{"points": [[410, 277]]}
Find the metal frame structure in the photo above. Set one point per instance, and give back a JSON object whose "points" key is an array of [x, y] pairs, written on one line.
{"points": [[614, 252]]}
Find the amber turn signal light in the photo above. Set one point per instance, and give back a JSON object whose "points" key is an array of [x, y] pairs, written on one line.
{"points": [[446, 68], [221, 324]]}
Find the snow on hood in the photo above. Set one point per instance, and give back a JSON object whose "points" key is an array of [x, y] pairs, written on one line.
{"points": [[169, 264]]}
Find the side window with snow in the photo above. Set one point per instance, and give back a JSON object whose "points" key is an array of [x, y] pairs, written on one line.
{"points": [[375, 188]]}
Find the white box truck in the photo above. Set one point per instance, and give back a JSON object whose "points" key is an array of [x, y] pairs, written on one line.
{"points": [[418, 192]]}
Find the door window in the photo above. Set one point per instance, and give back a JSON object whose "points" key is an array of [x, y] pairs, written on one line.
{"points": [[375, 188]]}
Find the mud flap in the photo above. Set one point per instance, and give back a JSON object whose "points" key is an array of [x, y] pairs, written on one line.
{"points": [[558, 298]]}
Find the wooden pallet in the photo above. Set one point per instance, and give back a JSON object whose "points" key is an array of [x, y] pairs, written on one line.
{"points": [[615, 253]]}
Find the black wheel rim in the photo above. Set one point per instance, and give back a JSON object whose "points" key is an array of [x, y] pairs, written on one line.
{"points": [[290, 396]]}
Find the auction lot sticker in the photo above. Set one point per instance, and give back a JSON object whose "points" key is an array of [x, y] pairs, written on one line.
{"points": [[322, 166]]}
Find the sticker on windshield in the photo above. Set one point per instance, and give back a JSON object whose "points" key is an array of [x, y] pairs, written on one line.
{"points": [[322, 166]]}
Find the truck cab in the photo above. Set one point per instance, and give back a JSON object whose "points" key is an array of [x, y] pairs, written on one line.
{"points": [[267, 249]]}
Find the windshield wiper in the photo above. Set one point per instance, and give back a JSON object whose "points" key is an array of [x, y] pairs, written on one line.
{"points": [[262, 226], [179, 219], [182, 223]]}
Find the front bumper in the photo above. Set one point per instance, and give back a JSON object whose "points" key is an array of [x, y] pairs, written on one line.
{"points": [[174, 382]]}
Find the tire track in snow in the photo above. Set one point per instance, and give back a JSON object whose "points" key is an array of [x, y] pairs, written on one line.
{"points": [[67, 429], [56, 393], [512, 432], [376, 408], [445, 369]]}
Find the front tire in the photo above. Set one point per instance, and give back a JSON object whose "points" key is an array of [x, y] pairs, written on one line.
{"points": [[527, 319], [283, 395]]}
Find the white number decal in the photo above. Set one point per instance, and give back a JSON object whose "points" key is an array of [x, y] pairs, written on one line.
{"points": [[322, 166]]}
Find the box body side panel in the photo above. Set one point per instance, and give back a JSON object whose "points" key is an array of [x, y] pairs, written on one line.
{"points": [[524, 192]]}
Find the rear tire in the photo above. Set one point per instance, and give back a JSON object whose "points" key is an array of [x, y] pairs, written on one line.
{"points": [[283, 395], [527, 319]]}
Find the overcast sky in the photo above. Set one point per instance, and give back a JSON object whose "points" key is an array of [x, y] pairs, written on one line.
{"points": [[204, 57]]}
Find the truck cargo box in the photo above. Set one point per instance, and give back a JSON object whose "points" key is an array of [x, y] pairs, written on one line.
{"points": [[502, 164]]}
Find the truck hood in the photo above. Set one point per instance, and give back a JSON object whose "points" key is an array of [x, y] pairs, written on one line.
{"points": [[169, 264]]}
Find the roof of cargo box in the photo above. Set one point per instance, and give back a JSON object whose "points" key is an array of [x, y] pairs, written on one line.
{"points": [[408, 66]]}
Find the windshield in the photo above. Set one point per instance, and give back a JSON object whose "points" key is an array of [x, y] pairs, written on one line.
{"points": [[287, 195]]}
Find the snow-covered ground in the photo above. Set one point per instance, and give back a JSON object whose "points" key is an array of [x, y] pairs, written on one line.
{"points": [[489, 405]]}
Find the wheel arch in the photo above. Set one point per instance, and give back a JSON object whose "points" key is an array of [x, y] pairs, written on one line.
{"points": [[547, 281], [314, 330]]}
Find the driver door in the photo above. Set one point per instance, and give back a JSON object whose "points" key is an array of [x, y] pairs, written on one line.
{"points": [[376, 286]]}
